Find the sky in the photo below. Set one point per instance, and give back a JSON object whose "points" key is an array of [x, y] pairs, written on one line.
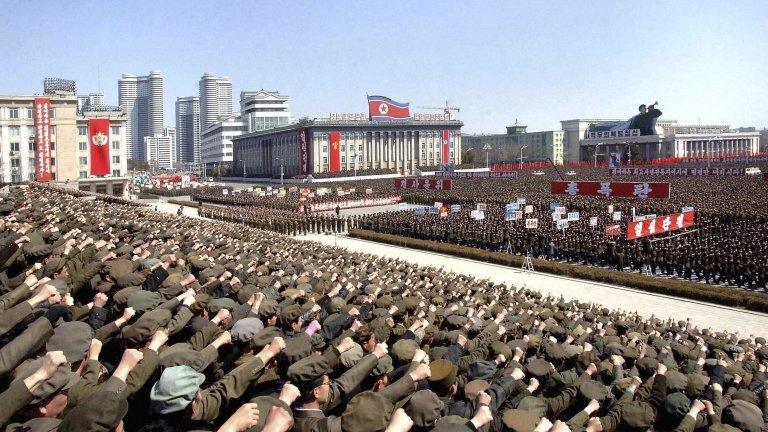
{"points": [[534, 62]]}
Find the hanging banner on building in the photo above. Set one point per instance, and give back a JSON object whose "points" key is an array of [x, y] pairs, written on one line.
{"points": [[424, 184], [531, 223], [98, 137], [476, 174], [612, 230], [303, 151], [43, 139], [660, 225], [611, 189], [682, 172], [445, 152], [334, 151], [384, 108]]}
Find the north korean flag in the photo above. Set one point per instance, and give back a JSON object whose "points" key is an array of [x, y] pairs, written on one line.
{"points": [[384, 108]]}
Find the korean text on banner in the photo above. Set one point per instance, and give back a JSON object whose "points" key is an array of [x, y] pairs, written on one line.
{"points": [[43, 139], [611, 189], [334, 151], [660, 225]]}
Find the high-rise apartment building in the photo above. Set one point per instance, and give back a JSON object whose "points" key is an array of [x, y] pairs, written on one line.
{"points": [[188, 129], [89, 101], [264, 109], [215, 99], [160, 151], [142, 100]]}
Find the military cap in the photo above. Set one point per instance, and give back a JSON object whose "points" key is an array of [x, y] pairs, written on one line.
{"points": [[383, 366], [36, 251], [265, 404], [472, 388], [554, 351], [146, 326], [129, 279], [119, 267], [403, 350], [181, 354], [53, 265], [220, 303], [245, 292], [743, 415], [175, 389], [676, 381], [499, 347], [101, 412], [592, 389], [481, 369], [265, 337], [201, 302], [518, 420], [39, 424], [289, 314], [62, 379], [367, 412], [244, 329], [142, 301], [73, 338], [646, 366], [538, 367], [353, 355], [696, 385], [307, 373], [746, 395], [268, 308], [534, 405], [443, 375], [676, 405], [318, 342], [638, 415], [424, 408]]}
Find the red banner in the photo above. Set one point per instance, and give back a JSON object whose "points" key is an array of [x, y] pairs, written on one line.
{"points": [[423, 184], [679, 171], [334, 151], [660, 225], [612, 230], [43, 139], [611, 189], [446, 152], [303, 151], [98, 137], [476, 174]]}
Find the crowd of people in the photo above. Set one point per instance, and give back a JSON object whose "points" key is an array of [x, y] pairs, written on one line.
{"points": [[280, 221], [116, 317]]}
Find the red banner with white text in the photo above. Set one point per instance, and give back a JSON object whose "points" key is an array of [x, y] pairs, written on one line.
{"points": [[679, 171], [611, 189], [445, 151], [660, 225], [334, 151], [423, 184], [42, 108], [98, 138], [303, 151]]}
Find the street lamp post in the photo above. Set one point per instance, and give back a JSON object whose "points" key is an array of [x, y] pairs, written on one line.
{"points": [[521, 156], [354, 167], [281, 168], [596, 146], [243, 169], [486, 148]]}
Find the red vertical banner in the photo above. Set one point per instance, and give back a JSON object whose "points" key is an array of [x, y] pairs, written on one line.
{"points": [[334, 151], [98, 138], [446, 151], [303, 151], [43, 139]]}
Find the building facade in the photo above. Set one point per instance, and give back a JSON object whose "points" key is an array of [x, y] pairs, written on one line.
{"points": [[188, 129], [141, 98], [94, 100], [262, 110], [215, 99], [160, 151], [536, 146], [117, 141], [311, 146], [216, 141], [577, 130]]}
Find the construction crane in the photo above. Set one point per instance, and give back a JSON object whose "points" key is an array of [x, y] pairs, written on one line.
{"points": [[446, 109]]}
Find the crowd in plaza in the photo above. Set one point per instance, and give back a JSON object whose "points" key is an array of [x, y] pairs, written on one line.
{"points": [[116, 317]]}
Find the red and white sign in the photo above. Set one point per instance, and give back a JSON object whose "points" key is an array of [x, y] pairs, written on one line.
{"points": [[43, 139], [746, 159], [612, 230], [423, 184], [446, 152], [660, 225], [532, 223], [354, 204], [303, 151], [611, 189], [679, 171], [334, 151], [98, 137], [481, 174]]}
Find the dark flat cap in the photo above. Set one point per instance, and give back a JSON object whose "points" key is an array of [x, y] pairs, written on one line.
{"points": [[367, 412], [306, 372], [73, 338]]}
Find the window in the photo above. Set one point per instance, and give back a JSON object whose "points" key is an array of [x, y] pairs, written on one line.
{"points": [[360, 147], [14, 130], [53, 112], [325, 149], [82, 146], [53, 161], [343, 147], [325, 160], [115, 145], [14, 147], [13, 113], [115, 159], [53, 145], [343, 159], [32, 146], [83, 174], [82, 130], [30, 131], [52, 130], [115, 130], [30, 113], [116, 173], [83, 160]]}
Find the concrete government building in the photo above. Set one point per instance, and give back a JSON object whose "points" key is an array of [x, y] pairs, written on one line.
{"points": [[539, 146], [400, 145]]}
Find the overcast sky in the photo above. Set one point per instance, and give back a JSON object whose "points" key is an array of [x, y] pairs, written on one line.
{"points": [[538, 62]]}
